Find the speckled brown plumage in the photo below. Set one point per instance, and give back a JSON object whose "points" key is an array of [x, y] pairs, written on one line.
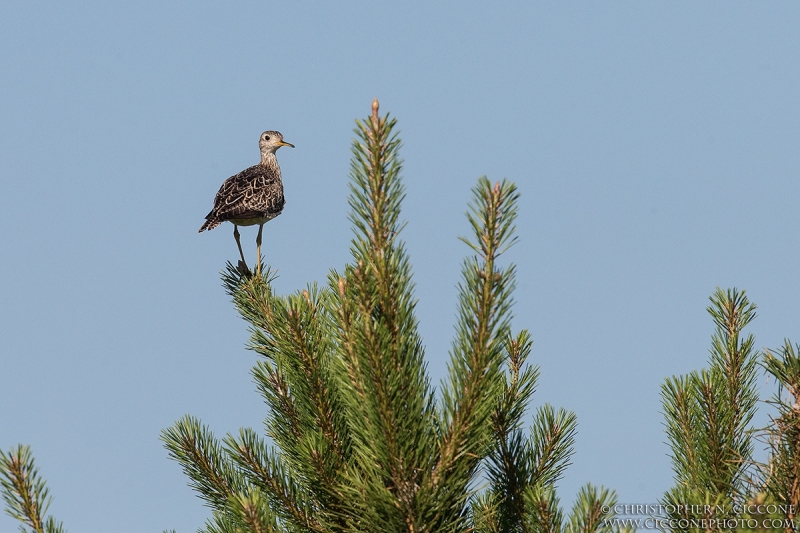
{"points": [[254, 195]]}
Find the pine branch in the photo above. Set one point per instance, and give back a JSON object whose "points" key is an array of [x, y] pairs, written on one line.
{"points": [[297, 381], [734, 359], [551, 443], [225, 522], [211, 473], [386, 390], [476, 381], [681, 412], [587, 514], [523, 471], [785, 367], [252, 511], [542, 511], [782, 481], [510, 464], [708, 414], [25, 493], [296, 378], [264, 470]]}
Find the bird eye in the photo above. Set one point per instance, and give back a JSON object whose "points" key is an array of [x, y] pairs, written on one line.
{"points": [[266, 137]]}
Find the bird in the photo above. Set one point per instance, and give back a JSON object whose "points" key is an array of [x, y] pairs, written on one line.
{"points": [[253, 196]]}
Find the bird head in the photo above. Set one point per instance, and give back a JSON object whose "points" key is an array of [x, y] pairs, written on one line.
{"points": [[270, 141]]}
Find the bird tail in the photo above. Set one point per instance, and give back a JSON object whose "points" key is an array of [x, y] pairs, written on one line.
{"points": [[209, 224]]}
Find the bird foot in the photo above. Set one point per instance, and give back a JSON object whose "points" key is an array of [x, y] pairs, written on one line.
{"points": [[243, 270]]}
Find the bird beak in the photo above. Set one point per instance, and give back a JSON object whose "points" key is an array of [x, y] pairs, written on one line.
{"points": [[282, 143]]}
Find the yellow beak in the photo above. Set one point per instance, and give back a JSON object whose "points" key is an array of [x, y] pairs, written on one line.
{"points": [[283, 143]]}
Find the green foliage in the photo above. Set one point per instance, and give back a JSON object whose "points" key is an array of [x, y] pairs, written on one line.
{"points": [[587, 513], [25, 494], [782, 475], [708, 419], [355, 438]]}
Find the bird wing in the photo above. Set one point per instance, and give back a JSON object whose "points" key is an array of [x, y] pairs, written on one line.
{"points": [[252, 192]]}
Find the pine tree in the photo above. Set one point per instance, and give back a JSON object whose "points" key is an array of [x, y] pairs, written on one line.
{"points": [[356, 439]]}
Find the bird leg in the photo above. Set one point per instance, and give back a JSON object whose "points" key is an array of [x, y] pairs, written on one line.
{"points": [[258, 249], [243, 264]]}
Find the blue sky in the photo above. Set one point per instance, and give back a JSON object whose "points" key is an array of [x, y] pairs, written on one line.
{"points": [[655, 145]]}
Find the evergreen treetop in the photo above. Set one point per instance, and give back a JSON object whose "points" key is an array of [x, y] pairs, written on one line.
{"points": [[355, 438]]}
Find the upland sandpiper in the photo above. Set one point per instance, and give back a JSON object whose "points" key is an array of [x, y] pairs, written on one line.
{"points": [[253, 196]]}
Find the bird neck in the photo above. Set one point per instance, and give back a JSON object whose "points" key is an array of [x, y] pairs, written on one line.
{"points": [[268, 159]]}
